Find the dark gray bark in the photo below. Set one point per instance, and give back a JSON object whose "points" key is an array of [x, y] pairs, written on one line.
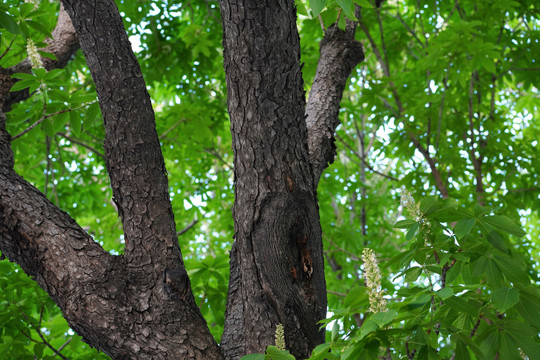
{"points": [[340, 53]]}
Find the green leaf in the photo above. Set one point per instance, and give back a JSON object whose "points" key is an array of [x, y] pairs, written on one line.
{"points": [[504, 223], [335, 331], [463, 227], [25, 9], [317, 6], [320, 352], [504, 298], [404, 224], [39, 73], [445, 293], [23, 84], [508, 349], [528, 305], [53, 74], [412, 231], [525, 337], [412, 274], [461, 350], [75, 122], [347, 6], [39, 27], [384, 318], [460, 305], [273, 353], [8, 22], [364, 3], [24, 76]]}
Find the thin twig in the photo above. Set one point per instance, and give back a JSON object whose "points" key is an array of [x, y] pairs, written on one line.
{"points": [[322, 24], [336, 293], [363, 161], [171, 128], [75, 141], [189, 226], [411, 31], [43, 117], [40, 334], [8, 48]]}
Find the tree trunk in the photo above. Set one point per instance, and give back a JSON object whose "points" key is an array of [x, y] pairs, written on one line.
{"points": [[277, 268]]}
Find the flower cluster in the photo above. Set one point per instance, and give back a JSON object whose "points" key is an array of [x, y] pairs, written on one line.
{"points": [[280, 337], [372, 277], [33, 54], [413, 208], [35, 2]]}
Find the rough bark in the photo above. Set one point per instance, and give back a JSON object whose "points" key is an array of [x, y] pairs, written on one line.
{"points": [[62, 45], [138, 305], [277, 270], [340, 53]]}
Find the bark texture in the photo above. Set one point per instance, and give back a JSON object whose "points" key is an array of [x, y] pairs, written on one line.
{"points": [[277, 270], [340, 53], [63, 45]]}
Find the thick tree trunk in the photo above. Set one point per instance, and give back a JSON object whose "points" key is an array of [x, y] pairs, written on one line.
{"points": [[277, 270]]}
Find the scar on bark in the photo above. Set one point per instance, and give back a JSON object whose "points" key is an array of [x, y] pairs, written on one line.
{"points": [[307, 263]]}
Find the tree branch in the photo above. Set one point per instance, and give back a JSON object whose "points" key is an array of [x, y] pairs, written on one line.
{"points": [[340, 53], [75, 141]]}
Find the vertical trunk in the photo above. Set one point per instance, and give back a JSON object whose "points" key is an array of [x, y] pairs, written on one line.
{"points": [[277, 271]]}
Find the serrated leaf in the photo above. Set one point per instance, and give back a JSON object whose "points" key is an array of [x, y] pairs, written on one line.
{"points": [[461, 350], [75, 122], [463, 227], [384, 318], [23, 76], [39, 73], [504, 223], [23, 84], [320, 352], [25, 9], [364, 3], [504, 298], [508, 349], [53, 74], [317, 6], [412, 274], [355, 297], [39, 27], [412, 231], [445, 293], [403, 224], [47, 54], [335, 331], [8, 22], [273, 353]]}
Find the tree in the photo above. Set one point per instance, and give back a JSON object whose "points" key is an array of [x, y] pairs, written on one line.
{"points": [[277, 272], [140, 303]]}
